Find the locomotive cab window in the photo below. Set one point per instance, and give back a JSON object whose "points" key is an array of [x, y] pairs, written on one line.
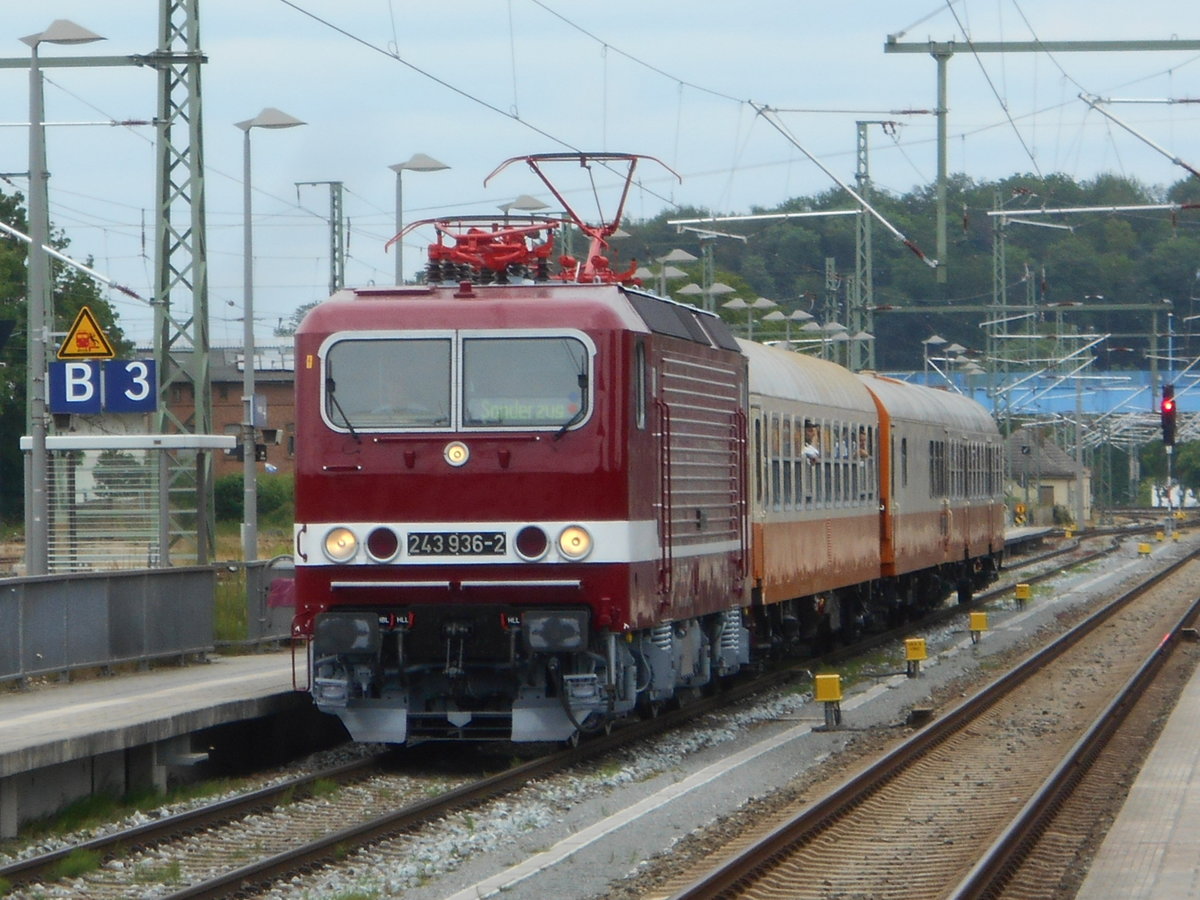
{"points": [[390, 383], [524, 382], [452, 381]]}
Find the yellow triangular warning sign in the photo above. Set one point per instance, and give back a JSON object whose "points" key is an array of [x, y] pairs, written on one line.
{"points": [[86, 339]]}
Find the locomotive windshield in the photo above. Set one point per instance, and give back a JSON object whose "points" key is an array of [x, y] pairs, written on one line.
{"points": [[472, 381], [388, 383], [523, 381]]}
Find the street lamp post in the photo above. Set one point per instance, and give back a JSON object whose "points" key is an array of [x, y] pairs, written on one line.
{"points": [[737, 303], [759, 303], [930, 343], [666, 270], [268, 118], [419, 162], [37, 513], [523, 203]]}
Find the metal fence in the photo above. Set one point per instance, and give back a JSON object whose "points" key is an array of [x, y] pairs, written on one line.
{"points": [[57, 623], [270, 599]]}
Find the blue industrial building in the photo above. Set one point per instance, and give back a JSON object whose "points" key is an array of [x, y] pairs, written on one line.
{"points": [[1097, 393]]}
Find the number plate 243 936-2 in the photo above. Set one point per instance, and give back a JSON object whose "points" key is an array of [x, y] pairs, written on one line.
{"points": [[456, 543]]}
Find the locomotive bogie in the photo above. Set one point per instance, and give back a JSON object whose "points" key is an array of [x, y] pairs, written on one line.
{"points": [[479, 672]]}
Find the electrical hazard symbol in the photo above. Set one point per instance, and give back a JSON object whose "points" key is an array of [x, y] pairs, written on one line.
{"points": [[86, 339]]}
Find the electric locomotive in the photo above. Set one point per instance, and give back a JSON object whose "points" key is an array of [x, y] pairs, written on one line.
{"points": [[520, 499], [530, 502]]}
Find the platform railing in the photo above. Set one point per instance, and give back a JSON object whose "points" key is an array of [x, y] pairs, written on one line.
{"points": [[56, 624]]}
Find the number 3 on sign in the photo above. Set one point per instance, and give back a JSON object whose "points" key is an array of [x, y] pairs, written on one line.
{"points": [[129, 386]]}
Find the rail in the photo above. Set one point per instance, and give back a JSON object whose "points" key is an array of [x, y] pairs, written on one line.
{"points": [[726, 876]]}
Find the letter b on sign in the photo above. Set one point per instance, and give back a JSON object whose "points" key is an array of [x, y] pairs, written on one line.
{"points": [[75, 387]]}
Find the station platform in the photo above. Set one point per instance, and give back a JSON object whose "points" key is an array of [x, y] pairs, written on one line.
{"points": [[60, 742], [1026, 537], [1152, 851]]}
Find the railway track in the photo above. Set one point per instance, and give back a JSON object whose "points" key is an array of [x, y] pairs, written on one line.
{"points": [[48, 865], [964, 807], [217, 835]]}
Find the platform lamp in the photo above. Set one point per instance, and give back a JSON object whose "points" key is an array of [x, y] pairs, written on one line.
{"points": [[37, 512], [713, 291], [759, 303], [737, 303], [419, 162], [268, 118], [930, 344], [666, 270], [523, 203]]}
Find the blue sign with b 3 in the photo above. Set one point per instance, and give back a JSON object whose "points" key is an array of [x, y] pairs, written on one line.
{"points": [[92, 386]]}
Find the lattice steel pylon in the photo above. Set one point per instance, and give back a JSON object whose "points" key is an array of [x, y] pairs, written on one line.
{"points": [[181, 344]]}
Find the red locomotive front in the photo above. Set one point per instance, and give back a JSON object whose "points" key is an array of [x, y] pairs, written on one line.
{"points": [[520, 506]]}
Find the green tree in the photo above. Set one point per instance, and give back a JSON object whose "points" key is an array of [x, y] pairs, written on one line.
{"points": [[288, 328], [117, 477]]}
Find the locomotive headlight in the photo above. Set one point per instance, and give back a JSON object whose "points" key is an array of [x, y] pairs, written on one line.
{"points": [[456, 453], [575, 542], [340, 545]]}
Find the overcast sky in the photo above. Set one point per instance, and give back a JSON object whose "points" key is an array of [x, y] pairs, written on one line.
{"points": [[479, 81]]}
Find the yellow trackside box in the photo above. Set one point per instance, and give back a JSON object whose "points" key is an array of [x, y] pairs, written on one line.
{"points": [[914, 649], [978, 621], [1024, 592], [827, 688]]}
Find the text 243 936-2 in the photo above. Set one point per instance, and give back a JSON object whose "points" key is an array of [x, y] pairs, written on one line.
{"points": [[456, 543]]}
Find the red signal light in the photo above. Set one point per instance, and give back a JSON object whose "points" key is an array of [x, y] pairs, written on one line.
{"points": [[1167, 409]]}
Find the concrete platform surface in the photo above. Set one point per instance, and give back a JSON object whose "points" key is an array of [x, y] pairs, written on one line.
{"points": [[1152, 852], [61, 722]]}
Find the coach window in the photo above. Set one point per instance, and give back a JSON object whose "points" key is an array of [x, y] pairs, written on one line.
{"points": [[952, 469], [843, 463], [863, 463], [639, 384], [758, 460], [775, 461], [786, 453], [524, 382], [960, 469], [800, 464], [826, 490], [938, 473], [388, 383]]}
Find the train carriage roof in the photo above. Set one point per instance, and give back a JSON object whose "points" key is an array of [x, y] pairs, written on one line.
{"points": [[915, 402], [797, 377]]}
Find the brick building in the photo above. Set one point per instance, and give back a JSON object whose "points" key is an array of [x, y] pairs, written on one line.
{"points": [[274, 377]]}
